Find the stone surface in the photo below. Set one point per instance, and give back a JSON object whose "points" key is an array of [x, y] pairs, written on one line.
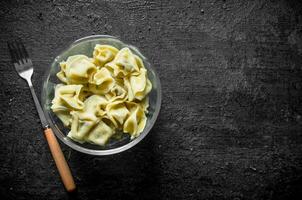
{"points": [[230, 126]]}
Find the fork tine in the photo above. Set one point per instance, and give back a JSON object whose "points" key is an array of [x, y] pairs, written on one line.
{"points": [[24, 49], [21, 48], [16, 51], [12, 51]]}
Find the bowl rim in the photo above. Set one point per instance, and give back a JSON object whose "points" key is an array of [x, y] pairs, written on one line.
{"points": [[120, 149]]}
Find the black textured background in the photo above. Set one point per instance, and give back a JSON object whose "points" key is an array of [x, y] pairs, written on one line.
{"points": [[231, 120]]}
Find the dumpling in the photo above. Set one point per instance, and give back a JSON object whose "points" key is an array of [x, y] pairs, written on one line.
{"points": [[116, 70], [83, 121], [117, 112], [80, 127], [64, 116], [124, 63], [104, 54], [144, 104], [61, 74], [116, 93], [101, 82], [94, 107], [138, 86], [130, 95], [85, 92], [67, 96], [142, 94], [125, 58], [136, 121], [78, 69], [100, 134], [138, 83]]}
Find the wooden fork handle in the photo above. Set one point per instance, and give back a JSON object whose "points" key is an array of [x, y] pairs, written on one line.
{"points": [[60, 161]]}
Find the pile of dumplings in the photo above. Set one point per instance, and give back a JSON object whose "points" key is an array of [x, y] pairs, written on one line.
{"points": [[103, 95]]}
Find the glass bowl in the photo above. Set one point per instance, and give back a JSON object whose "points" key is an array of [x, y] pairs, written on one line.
{"points": [[85, 46]]}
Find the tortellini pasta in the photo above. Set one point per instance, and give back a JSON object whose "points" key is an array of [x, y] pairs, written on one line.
{"points": [[104, 54], [103, 95], [77, 69]]}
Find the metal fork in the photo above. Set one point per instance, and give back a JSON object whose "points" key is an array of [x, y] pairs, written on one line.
{"points": [[24, 67]]}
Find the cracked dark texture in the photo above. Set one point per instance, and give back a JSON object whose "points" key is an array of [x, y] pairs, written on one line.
{"points": [[230, 126]]}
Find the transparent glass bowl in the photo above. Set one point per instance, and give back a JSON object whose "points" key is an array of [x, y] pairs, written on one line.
{"points": [[85, 46]]}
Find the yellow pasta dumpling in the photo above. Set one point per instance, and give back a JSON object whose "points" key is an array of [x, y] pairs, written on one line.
{"points": [[144, 104], [61, 74], [130, 95], [101, 82], [78, 69], [104, 54], [100, 134], [67, 96], [86, 119], [116, 93], [65, 117], [142, 94], [136, 121], [125, 58], [94, 107], [102, 96], [138, 86], [115, 70], [138, 83], [117, 112], [124, 63], [80, 127]]}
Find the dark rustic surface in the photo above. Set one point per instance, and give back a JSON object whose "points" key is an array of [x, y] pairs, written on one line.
{"points": [[231, 120]]}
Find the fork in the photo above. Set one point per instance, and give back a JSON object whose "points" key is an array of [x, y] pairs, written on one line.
{"points": [[24, 68]]}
